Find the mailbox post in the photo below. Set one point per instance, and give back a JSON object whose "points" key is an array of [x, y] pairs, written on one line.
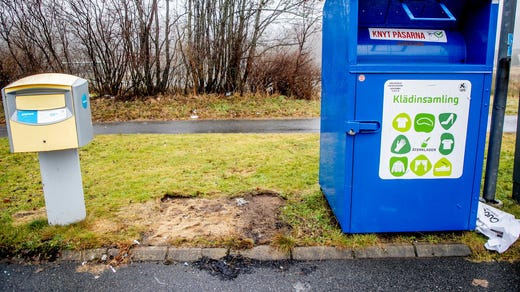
{"points": [[405, 101], [50, 114]]}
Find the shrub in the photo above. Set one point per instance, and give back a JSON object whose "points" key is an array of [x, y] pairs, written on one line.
{"points": [[287, 73]]}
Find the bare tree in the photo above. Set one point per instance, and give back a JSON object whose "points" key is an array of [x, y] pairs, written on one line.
{"points": [[35, 35], [305, 73], [285, 65], [148, 38], [95, 23], [144, 47], [222, 39]]}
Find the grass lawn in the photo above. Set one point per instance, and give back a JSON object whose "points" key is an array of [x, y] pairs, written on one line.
{"points": [[128, 170], [207, 107]]}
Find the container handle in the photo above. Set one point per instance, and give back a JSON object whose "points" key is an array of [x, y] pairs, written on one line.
{"points": [[449, 15]]}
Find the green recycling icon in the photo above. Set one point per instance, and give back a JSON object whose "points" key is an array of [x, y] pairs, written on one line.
{"points": [[421, 165], [401, 145]]}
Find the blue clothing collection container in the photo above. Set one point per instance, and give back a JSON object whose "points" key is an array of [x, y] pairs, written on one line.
{"points": [[405, 101]]}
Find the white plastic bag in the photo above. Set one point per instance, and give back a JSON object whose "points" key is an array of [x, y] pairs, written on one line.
{"points": [[500, 227]]}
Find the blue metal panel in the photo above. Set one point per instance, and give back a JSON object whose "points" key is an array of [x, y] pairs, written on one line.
{"points": [[357, 64], [391, 51], [336, 105], [417, 204]]}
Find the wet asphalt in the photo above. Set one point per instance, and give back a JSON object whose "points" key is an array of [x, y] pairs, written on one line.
{"points": [[211, 126], [310, 125], [435, 274]]}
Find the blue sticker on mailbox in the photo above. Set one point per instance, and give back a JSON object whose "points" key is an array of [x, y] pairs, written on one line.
{"points": [[84, 100], [29, 117]]}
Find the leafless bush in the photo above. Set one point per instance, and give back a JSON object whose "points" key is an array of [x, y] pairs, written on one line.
{"points": [[10, 67], [31, 38], [129, 48], [6, 70], [286, 73]]}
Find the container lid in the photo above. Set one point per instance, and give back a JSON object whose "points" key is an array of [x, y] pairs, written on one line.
{"points": [[47, 79]]}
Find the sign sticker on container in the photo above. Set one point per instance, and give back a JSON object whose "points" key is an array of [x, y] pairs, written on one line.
{"points": [[418, 35], [424, 129]]}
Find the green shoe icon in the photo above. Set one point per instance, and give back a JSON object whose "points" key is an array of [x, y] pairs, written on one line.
{"points": [[398, 166], [447, 120], [424, 123], [421, 165], [401, 145], [443, 168]]}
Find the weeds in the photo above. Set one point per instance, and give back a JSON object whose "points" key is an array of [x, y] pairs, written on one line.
{"points": [[284, 243], [122, 170], [207, 107]]}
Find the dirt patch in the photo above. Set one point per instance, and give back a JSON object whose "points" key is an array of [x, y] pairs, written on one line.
{"points": [[259, 217], [24, 217], [253, 215]]}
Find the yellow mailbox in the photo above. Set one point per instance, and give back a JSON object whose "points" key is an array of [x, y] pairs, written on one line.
{"points": [[47, 112], [50, 114]]}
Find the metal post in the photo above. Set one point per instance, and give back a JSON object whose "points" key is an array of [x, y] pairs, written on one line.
{"points": [[500, 99], [516, 169], [62, 186]]}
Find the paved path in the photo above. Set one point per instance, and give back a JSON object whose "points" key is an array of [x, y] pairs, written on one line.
{"points": [[311, 125], [218, 126]]}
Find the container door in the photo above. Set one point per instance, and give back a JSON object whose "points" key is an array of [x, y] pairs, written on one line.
{"points": [[415, 150]]}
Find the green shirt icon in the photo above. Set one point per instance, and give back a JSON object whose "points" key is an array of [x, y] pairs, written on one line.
{"points": [[402, 123], [447, 144]]}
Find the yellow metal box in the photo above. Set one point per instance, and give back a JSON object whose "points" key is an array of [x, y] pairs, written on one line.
{"points": [[47, 112]]}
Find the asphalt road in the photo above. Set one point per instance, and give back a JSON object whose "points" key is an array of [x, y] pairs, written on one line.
{"points": [[205, 126], [437, 274], [311, 125]]}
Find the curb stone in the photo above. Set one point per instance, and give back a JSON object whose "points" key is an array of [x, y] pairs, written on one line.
{"points": [[113, 252], [70, 256], [268, 253], [184, 254], [214, 253], [314, 253], [150, 253], [264, 253], [442, 250], [92, 254], [385, 251]]}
